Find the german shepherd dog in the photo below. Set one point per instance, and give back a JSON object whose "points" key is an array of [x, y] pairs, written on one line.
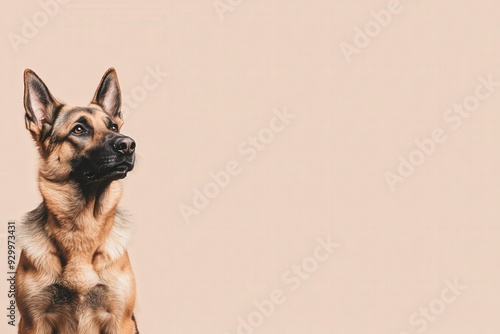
{"points": [[74, 273]]}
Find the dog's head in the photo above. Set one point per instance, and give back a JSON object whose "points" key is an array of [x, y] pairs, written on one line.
{"points": [[81, 144]]}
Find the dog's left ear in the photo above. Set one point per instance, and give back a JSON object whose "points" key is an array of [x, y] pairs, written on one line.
{"points": [[108, 94]]}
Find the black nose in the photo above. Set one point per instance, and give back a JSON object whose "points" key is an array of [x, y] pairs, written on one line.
{"points": [[124, 145]]}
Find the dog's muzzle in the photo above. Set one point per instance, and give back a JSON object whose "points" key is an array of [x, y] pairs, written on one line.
{"points": [[116, 159]]}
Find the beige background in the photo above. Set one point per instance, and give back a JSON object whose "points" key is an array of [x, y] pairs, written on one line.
{"points": [[323, 175]]}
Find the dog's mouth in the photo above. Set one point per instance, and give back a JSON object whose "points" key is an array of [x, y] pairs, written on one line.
{"points": [[113, 171]]}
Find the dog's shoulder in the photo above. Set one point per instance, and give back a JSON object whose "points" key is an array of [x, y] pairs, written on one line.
{"points": [[116, 242], [32, 237]]}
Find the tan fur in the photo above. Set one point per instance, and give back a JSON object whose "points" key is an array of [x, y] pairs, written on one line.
{"points": [[80, 245]]}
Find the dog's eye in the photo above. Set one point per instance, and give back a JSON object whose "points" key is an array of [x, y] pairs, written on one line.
{"points": [[78, 129], [114, 127]]}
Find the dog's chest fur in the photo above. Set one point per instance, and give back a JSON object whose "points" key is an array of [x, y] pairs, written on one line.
{"points": [[79, 269]]}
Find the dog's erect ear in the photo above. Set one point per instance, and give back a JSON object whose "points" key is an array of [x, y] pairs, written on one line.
{"points": [[38, 102], [108, 94]]}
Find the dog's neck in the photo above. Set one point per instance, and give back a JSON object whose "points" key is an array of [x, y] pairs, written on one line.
{"points": [[85, 213], [69, 201]]}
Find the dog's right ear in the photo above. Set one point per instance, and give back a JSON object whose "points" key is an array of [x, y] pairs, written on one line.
{"points": [[38, 103]]}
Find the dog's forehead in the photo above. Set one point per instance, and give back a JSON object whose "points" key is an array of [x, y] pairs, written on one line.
{"points": [[67, 115]]}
